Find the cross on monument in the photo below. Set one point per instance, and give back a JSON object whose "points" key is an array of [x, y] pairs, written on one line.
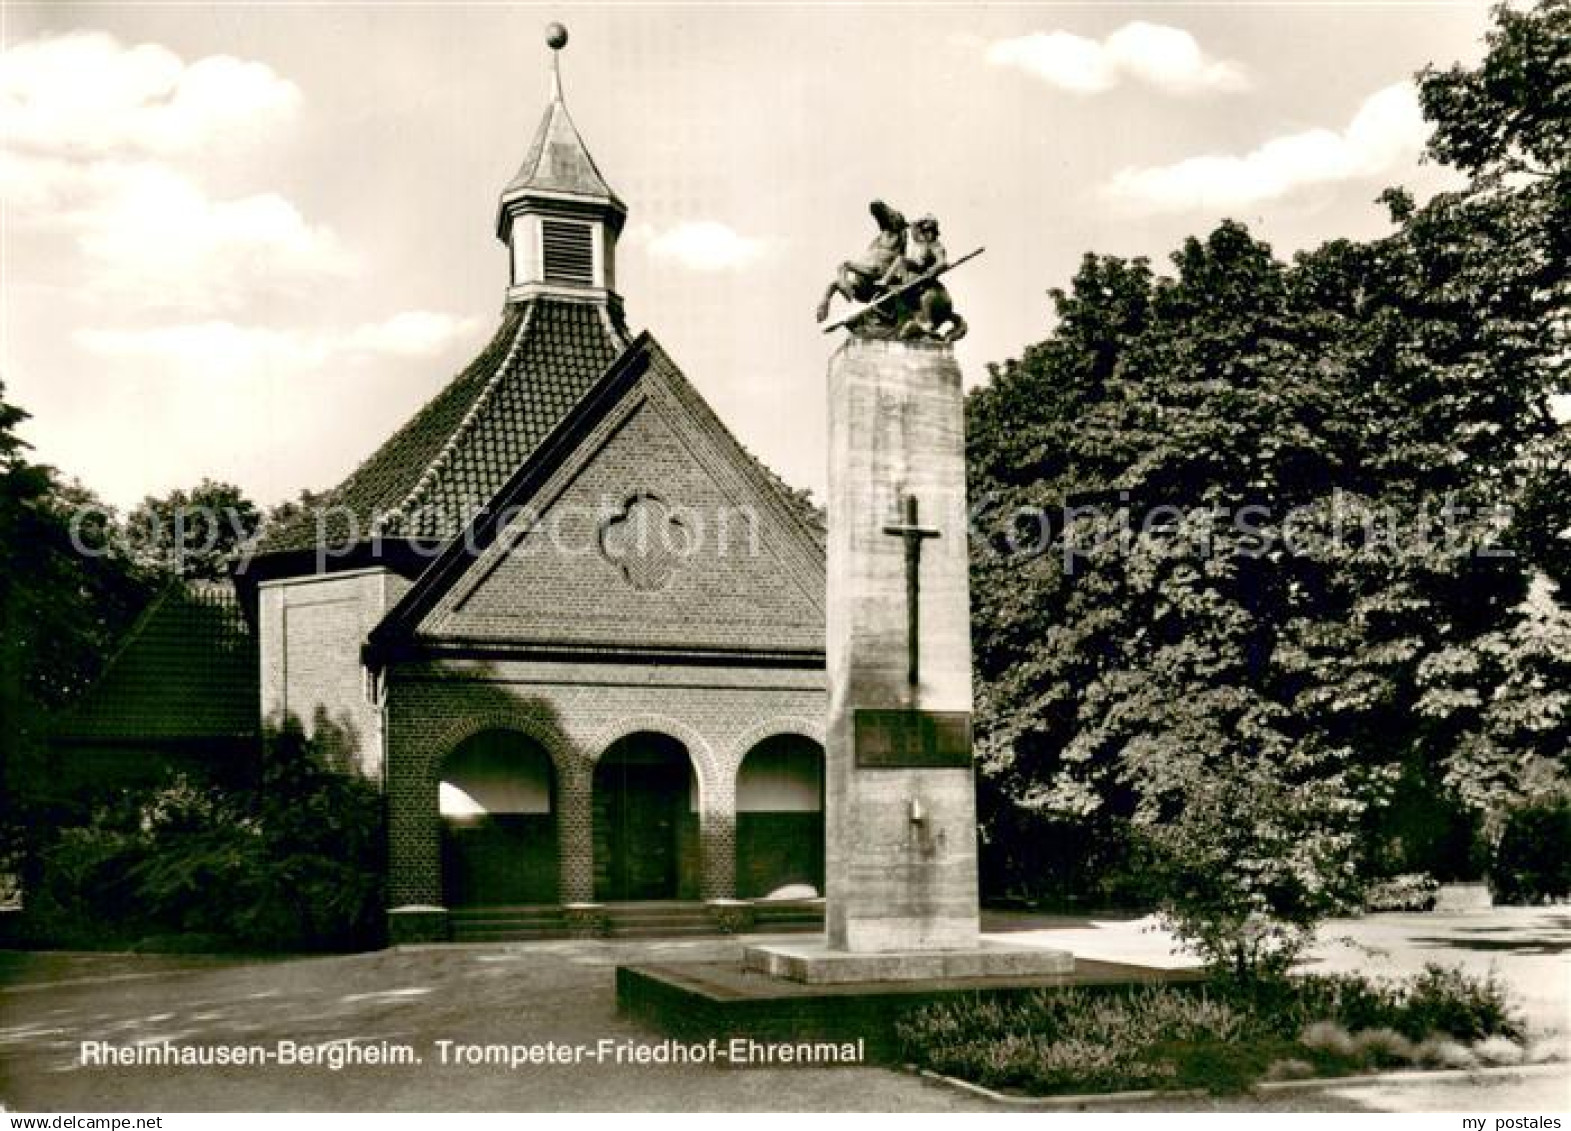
{"points": [[912, 534]]}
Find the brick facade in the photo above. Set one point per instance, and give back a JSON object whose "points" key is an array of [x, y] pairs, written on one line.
{"points": [[576, 712], [574, 640], [310, 630], [716, 564], [718, 649]]}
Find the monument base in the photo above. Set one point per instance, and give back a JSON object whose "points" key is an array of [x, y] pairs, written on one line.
{"points": [[814, 963], [700, 1001]]}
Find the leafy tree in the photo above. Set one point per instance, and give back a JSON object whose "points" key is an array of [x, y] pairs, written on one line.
{"points": [[1247, 520], [192, 534], [67, 592], [1508, 115]]}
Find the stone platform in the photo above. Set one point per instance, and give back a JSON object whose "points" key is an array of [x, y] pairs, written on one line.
{"points": [[698, 1001], [811, 961]]}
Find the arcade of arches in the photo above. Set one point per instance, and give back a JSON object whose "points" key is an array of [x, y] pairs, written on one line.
{"points": [[502, 838]]}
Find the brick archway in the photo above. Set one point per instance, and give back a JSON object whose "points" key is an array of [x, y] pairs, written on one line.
{"points": [[814, 729], [779, 812], [563, 757], [414, 822], [716, 803], [497, 815]]}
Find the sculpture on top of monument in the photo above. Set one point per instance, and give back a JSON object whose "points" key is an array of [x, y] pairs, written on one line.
{"points": [[896, 281], [862, 279]]}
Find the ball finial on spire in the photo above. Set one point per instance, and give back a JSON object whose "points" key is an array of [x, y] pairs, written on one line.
{"points": [[555, 36]]}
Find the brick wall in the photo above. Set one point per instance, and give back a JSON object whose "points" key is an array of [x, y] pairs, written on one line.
{"points": [[310, 631], [576, 711], [643, 544]]}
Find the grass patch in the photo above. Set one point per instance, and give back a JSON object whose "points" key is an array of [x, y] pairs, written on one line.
{"points": [[1218, 1035]]}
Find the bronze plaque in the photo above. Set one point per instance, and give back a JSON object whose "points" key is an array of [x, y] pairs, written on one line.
{"points": [[896, 739]]}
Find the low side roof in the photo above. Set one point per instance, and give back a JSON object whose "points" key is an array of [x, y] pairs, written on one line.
{"points": [[186, 670]]}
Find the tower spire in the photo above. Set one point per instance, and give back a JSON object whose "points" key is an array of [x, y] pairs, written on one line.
{"points": [[556, 39], [558, 216]]}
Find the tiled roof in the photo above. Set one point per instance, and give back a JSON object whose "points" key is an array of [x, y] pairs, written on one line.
{"points": [[814, 517], [186, 670], [459, 450]]}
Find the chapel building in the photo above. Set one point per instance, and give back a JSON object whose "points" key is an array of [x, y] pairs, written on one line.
{"points": [[569, 625]]}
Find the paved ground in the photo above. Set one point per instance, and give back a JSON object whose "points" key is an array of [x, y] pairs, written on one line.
{"points": [[49, 1003]]}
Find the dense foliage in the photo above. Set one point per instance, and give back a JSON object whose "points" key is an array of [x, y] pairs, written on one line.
{"points": [[1220, 1036], [192, 534], [61, 610], [296, 865], [1410, 891], [1532, 862], [1270, 543], [74, 577]]}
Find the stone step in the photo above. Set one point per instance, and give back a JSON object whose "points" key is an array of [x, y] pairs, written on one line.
{"points": [[472, 925], [623, 921], [690, 930], [504, 934]]}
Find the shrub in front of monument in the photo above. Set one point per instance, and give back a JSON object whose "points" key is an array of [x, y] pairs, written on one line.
{"points": [[1531, 863], [294, 865], [1221, 1036]]}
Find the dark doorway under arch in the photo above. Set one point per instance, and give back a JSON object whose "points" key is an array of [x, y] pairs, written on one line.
{"points": [[646, 820], [497, 802], [780, 819]]}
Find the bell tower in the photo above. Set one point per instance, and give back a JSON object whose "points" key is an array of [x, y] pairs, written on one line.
{"points": [[557, 216]]}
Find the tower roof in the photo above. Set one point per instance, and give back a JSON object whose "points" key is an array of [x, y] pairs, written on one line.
{"points": [[558, 164]]}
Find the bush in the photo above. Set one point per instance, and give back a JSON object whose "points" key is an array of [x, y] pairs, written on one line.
{"points": [[295, 865], [1223, 1035], [1415, 891], [1438, 1001], [1251, 861], [85, 894], [1532, 862], [1449, 1001], [1085, 1040]]}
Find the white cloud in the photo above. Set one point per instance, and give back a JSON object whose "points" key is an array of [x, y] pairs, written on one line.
{"points": [[150, 235], [1387, 132], [218, 351], [413, 333], [1167, 58], [85, 94], [703, 245], [104, 146], [156, 229]]}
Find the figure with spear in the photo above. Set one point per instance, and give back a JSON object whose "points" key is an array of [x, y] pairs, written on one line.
{"points": [[904, 298]]}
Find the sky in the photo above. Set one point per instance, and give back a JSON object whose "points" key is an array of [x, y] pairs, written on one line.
{"points": [[247, 241]]}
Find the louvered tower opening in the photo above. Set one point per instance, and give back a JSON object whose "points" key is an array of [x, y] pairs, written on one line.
{"points": [[568, 252]]}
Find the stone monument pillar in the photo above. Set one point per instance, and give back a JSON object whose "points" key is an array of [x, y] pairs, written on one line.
{"points": [[901, 855], [901, 801], [900, 796]]}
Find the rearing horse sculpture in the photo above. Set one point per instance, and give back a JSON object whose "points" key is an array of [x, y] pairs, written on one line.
{"points": [[861, 280], [896, 285]]}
